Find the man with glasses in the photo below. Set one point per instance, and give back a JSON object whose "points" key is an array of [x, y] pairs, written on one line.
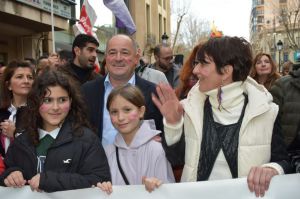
{"points": [[164, 62]]}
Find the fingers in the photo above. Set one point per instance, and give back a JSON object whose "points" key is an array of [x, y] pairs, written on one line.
{"points": [[151, 183], [15, 179], [259, 179], [8, 128], [34, 183], [105, 186], [156, 101], [250, 179]]}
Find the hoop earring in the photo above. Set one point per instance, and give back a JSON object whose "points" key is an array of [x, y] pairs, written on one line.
{"points": [[219, 95]]}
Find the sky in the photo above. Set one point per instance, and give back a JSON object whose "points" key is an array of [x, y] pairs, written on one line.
{"points": [[230, 16]]}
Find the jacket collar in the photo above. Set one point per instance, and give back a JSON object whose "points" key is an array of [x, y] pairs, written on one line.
{"points": [[145, 133], [65, 134], [194, 103]]}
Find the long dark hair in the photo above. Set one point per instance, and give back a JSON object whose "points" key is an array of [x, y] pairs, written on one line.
{"points": [[6, 94], [77, 114]]}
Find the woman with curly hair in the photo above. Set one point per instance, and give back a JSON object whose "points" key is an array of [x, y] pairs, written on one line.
{"points": [[56, 150], [264, 70]]}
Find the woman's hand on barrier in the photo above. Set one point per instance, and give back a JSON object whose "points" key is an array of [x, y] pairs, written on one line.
{"points": [[259, 179]]}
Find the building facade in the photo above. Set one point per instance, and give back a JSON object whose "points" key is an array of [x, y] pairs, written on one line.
{"points": [[273, 22], [25, 26], [152, 20]]}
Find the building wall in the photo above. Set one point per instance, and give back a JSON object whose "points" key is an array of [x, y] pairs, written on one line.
{"points": [[22, 29], [150, 24], [265, 35]]}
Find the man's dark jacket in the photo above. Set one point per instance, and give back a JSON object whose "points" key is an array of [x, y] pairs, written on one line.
{"points": [[72, 162], [286, 93], [93, 92], [79, 75]]}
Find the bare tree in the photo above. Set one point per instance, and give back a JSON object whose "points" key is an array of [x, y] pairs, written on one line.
{"points": [[287, 20], [195, 30], [180, 8], [290, 18]]}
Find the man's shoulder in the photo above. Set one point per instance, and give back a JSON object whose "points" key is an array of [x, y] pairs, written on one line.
{"points": [[93, 83], [142, 83]]}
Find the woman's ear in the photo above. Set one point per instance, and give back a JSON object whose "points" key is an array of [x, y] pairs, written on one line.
{"points": [[77, 50], [142, 110], [227, 72]]}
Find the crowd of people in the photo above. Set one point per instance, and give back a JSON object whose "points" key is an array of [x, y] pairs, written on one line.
{"points": [[222, 115]]}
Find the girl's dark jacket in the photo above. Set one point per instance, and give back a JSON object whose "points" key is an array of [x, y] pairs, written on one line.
{"points": [[73, 162]]}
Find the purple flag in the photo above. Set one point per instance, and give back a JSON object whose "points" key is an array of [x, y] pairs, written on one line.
{"points": [[122, 14]]}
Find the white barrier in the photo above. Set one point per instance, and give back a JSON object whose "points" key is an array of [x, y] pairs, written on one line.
{"points": [[282, 187]]}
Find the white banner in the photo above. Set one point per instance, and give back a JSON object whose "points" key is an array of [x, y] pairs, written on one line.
{"points": [[282, 187]]}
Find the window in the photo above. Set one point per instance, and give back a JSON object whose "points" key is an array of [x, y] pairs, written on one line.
{"points": [[160, 25], [165, 25], [260, 2], [260, 19], [148, 18], [285, 57]]}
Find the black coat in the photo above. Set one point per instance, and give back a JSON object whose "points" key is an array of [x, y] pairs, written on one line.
{"points": [[93, 93], [286, 93], [88, 164]]}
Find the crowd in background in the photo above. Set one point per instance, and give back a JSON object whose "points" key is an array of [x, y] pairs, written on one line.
{"points": [[225, 113]]}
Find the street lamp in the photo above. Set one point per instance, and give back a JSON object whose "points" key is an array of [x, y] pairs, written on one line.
{"points": [[164, 38], [279, 48]]}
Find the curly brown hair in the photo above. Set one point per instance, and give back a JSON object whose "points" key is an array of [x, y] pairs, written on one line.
{"points": [[77, 114], [272, 77]]}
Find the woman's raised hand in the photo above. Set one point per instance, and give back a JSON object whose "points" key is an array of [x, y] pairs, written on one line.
{"points": [[168, 103]]}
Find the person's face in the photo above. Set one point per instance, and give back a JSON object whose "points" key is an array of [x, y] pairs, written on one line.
{"points": [[21, 82], [207, 74], [285, 71], [165, 58], [263, 66], [121, 58], [125, 116], [55, 107], [86, 56]]}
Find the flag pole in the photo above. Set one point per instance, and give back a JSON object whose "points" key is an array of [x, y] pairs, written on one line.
{"points": [[52, 27]]}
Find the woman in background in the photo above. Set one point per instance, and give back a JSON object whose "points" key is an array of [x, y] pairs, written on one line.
{"points": [[16, 83], [264, 70]]}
